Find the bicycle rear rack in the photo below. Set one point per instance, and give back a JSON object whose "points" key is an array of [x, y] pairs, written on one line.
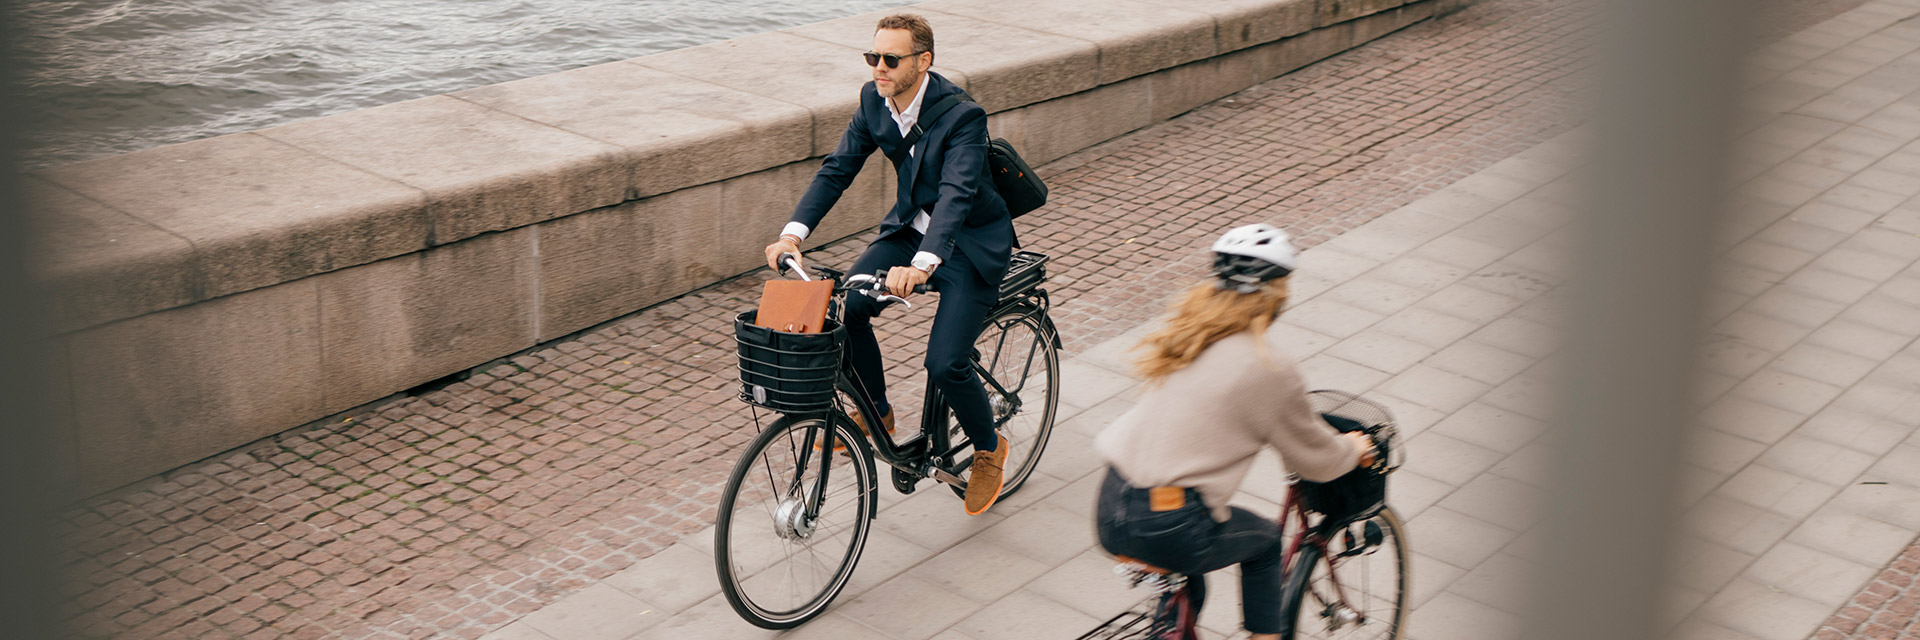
{"points": [[1157, 581], [1139, 621]]}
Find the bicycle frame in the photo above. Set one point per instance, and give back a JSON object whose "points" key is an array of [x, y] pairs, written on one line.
{"points": [[1318, 536], [917, 456], [931, 452]]}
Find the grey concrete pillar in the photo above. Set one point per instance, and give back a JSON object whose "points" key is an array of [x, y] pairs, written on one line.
{"points": [[1665, 99]]}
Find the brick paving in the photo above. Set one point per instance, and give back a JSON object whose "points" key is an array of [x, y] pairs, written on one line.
{"points": [[1887, 609], [458, 509]]}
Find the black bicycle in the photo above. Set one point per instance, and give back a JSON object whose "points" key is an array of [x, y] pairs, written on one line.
{"points": [[801, 500], [1345, 557]]}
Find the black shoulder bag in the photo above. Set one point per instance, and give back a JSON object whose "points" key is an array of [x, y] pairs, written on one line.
{"points": [[1018, 185]]}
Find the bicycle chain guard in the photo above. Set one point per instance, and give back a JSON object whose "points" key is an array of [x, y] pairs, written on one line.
{"points": [[904, 482]]}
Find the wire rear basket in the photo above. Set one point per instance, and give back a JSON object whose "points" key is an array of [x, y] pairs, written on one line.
{"points": [[787, 372], [1361, 492]]}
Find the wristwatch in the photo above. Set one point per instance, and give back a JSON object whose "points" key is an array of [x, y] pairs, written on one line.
{"points": [[925, 263]]}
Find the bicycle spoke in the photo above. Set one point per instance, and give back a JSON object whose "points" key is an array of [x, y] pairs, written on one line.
{"points": [[1026, 366], [1356, 590], [998, 347], [782, 565], [1017, 365]]}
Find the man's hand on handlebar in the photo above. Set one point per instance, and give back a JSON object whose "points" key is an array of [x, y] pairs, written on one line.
{"points": [[785, 245], [902, 280]]}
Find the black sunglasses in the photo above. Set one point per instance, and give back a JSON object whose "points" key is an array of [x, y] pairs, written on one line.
{"points": [[893, 61]]}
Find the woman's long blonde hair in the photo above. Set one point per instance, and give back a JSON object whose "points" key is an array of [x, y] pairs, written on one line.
{"points": [[1205, 315]]}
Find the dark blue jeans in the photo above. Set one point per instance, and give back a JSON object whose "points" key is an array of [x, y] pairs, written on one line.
{"points": [[1188, 540]]}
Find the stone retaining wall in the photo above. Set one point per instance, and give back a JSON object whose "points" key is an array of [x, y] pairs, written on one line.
{"points": [[211, 293]]}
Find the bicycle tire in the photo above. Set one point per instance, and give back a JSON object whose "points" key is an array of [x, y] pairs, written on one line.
{"points": [[1132, 624], [1300, 587], [1028, 431], [749, 536], [1169, 615]]}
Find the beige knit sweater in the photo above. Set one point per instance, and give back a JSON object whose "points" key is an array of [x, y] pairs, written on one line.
{"points": [[1202, 425]]}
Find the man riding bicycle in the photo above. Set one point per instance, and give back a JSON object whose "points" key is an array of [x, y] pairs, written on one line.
{"points": [[948, 226], [1217, 393]]}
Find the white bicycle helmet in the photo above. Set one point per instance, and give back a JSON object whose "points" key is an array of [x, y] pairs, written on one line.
{"points": [[1245, 258]]}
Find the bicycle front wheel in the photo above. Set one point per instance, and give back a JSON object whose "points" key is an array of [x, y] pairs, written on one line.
{"points": [[1016, 351], [793, 521], [1354, 587]]}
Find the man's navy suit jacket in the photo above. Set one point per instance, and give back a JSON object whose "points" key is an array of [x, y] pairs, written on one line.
{"points": [[947, 174]]}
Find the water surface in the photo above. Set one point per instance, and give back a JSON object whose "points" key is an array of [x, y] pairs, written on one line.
{"points": [[113, 76]]}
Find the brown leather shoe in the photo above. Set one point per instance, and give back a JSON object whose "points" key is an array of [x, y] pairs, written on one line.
{"points": [[986, 479], [861, 424]]}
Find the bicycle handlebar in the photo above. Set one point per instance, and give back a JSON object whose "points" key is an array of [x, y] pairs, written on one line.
{"points": [[791, 262], [874, 285], [881, 275]]}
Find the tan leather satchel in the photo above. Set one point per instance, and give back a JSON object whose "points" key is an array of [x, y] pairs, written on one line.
{"points": [[794, 306]]}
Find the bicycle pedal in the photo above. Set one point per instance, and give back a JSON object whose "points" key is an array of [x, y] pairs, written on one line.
{"points": [[1366, 542]]}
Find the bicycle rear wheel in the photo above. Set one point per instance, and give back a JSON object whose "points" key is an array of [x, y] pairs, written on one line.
{"points": [[1356, 587], [780, 566], [1170, 615], [1017, 350]]}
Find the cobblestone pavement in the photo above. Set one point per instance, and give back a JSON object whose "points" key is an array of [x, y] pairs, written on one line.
{"points": [[1888, 609], [453, 511]]}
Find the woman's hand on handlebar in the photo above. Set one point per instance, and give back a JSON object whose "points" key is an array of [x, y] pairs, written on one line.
{"points": [[902, 280], [783, 246], [1365, 444]]}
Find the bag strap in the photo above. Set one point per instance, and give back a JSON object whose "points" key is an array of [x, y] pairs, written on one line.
{"points": [[932, 114]]}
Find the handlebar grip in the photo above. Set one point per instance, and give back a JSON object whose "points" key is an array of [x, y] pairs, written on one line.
{"points": [[781, 262], [880, 278]]}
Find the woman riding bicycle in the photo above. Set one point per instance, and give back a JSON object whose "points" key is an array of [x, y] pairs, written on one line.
{"points": [[1217, 394]]}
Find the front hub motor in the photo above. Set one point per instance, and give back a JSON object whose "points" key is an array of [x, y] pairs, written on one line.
{"points": [[790, 520]]}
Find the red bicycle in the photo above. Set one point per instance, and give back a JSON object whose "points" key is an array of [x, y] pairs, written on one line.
{"points": [[1346, 560]]}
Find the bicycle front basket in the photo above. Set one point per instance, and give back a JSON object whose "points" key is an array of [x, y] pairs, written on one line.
{"points": [[1361, 492], [788, 372]]}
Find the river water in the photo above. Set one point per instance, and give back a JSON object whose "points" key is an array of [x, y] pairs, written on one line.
{"points": [[113, 76]]}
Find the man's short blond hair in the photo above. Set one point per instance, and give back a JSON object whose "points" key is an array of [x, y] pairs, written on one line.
{"points": [[914, 24]]}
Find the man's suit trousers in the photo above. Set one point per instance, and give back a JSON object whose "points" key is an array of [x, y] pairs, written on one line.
{"points": [[965, 299]]}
